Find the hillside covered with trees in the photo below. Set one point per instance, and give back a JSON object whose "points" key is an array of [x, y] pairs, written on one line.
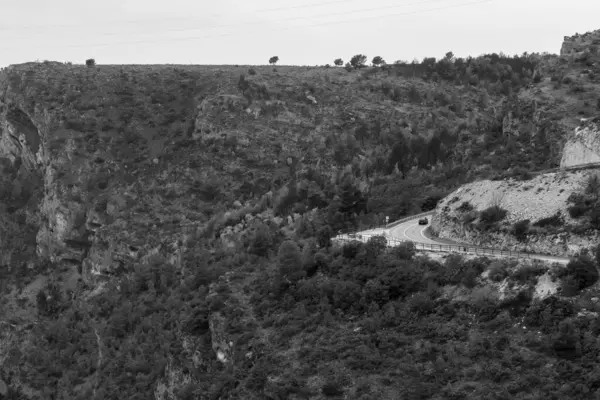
{"points": [[166, 232]]}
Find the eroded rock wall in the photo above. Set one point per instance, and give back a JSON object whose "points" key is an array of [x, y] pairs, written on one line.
{"points": [[583, 146]]}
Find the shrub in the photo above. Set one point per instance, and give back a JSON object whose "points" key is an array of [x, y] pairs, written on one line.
{"points": [[595, 217], [583, 270], [527, 273], [577, 210], [331, 389], [49, 299], [324, 236], [469, 217], [404, 251], [350, 250], [90, 62], [338, 62], [521, 229], [251, 71], [465, 207], [492, 214], [290, 261], [497, 271], [375, 246], [555, 220], [261, 241]]}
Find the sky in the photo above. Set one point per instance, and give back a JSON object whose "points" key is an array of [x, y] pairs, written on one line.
{"points": [[299, 32]]}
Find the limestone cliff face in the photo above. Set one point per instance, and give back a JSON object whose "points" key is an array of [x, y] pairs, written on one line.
{"points": [[583, 146], [578, 43]]}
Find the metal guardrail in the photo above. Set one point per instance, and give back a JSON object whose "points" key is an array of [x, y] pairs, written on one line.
{"points": [[393, 241], [571, 168]]}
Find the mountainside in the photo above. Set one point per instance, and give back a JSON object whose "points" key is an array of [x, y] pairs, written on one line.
{"points": [[165, 230]]}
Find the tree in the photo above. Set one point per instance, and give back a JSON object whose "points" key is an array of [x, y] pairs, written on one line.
{"points": [[262, 241], [401, 156], [593, 186], [338, 62], [378, 61], [90, 62], [290, 261], [358, 61], [324, 236], [583, 270], [273, 60]]}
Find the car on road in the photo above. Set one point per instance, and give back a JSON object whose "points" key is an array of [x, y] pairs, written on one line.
{"points": [[423, 221]]}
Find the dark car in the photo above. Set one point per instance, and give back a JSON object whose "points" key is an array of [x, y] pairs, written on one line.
{"points": [[423, 221]]}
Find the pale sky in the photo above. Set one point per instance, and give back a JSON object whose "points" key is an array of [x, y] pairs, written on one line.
{"points": [[300, 32]]}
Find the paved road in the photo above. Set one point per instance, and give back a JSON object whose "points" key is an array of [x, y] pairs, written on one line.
{"points": [[411, 231]]}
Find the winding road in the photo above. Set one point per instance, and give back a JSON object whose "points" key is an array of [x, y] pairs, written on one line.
{"points": [[410, 230]]}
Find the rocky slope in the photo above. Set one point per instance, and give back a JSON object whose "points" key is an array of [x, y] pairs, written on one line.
{"points": [[542, 197], [114, 175], [564, 90], [89, 154], [583, 146]]}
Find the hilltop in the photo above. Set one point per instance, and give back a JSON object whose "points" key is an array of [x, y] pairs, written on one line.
{"points": [[165, 230]]}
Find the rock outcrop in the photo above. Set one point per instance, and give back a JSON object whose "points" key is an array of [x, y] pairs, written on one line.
{"points": [[578, 43], [583, 146], [542, 197]]}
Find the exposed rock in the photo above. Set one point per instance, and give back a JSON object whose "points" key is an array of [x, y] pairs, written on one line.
{"points": [[578, 43], [541, 197], [584, 144], [3, 389]]}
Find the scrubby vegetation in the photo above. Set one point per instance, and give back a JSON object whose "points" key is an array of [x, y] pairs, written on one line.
{"points": [[229, 284], [345, 314]]}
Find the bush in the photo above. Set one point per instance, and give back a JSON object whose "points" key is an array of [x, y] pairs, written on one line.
{"points": [[375, 246], [251, 71], [469, 217], [90, 62], [331, 389], [338, 62], [261, 241], [577, 210], [324, 236], [555, 220], [290, 261], [350, 250], [404, 251], [595, 218], [521, 229], [497, 271], [465, 207], [583, 270], [527, 273], [492, 214]]}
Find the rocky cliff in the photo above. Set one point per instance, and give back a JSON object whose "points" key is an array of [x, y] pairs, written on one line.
{"points": [[103, 166], [580, 43], [564, 90], [583, 146]]}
